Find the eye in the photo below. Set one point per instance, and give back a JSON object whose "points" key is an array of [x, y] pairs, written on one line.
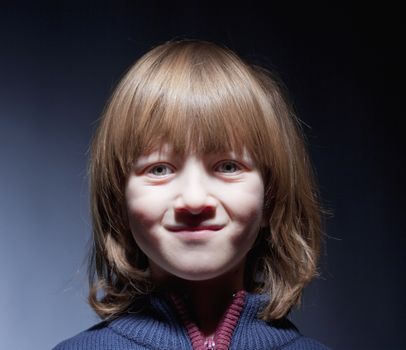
{"points": [[160, 170], [228, 167]]}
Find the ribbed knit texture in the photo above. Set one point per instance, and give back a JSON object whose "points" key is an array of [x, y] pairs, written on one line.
{"points": [[159, 327], [224, 332]]}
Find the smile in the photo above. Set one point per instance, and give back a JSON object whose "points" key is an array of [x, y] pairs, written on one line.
{"points": [[194, 228], [195, 234]]}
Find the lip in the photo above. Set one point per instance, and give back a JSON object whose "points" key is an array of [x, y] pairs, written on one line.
{"points": [[195, 232], [195, 228]]}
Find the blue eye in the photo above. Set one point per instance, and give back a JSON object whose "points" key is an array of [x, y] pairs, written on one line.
{"points": [[160, 170], [228, 167]]}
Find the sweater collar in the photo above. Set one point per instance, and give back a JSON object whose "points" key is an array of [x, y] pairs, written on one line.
{"points": [[158, 324]]}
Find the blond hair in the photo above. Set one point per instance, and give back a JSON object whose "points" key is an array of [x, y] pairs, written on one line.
{"points": [[198, 96]]}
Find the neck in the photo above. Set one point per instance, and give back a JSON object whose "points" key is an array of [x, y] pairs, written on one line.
{"points": [[210, 299]]}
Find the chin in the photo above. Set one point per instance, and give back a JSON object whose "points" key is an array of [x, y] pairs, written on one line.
{"points": [[200, 273], [197, 276]]}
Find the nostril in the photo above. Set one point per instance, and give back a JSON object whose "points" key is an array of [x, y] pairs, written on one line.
{"points": [[203, 210], [190, 218]]}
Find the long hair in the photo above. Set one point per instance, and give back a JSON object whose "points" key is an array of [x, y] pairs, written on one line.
{"points": [[196, 95]]}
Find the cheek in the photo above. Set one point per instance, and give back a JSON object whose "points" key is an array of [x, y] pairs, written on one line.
{"points": [[145, 210], [245, 201], [144, 206]]}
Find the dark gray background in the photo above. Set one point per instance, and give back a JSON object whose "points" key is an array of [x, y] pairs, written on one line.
{"points": [[60, 61]]}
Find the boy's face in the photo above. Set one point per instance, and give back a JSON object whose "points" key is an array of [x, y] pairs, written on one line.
{"points": [[194, 217]]}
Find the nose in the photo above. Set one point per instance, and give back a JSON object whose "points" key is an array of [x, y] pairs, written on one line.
{"points": [[194, 191]]}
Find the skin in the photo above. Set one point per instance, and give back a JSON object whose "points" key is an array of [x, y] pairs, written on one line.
{"points": [[196, 217]]}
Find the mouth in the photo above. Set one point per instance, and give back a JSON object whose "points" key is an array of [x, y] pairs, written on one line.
{"points": [[195, 234], [195, 228]]}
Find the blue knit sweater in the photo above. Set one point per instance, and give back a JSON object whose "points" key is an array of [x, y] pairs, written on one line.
{"points": [[158, 327]]}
